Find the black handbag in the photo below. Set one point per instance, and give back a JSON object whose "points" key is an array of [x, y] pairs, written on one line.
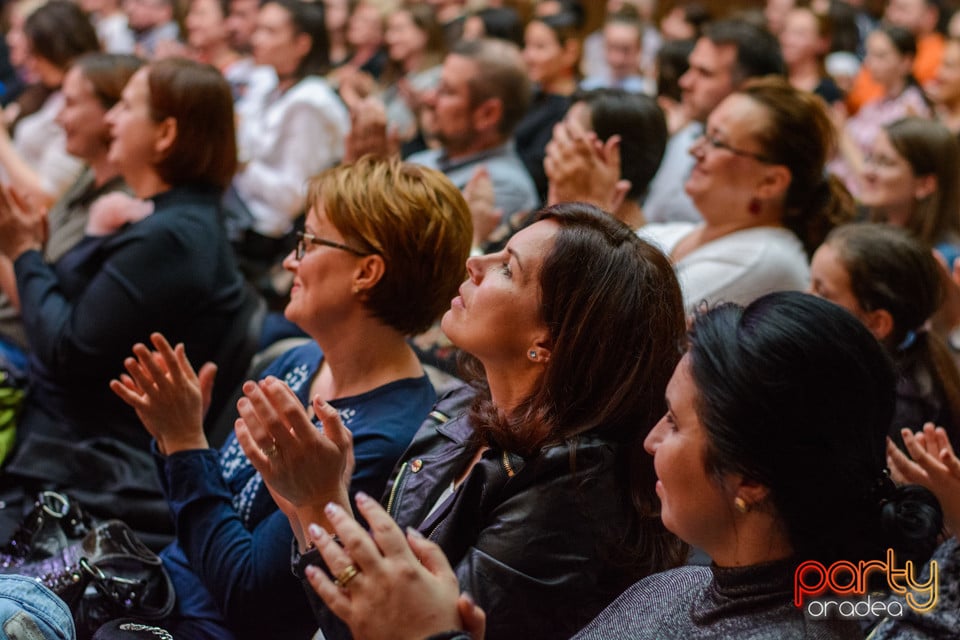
{"points": [[102, 572]]}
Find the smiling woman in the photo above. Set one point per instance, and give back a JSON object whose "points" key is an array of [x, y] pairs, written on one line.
{"points": [[532, 481], [90, 88], [173, 142], [759, 183], [34, 161], [380, 258], [761, 477]]}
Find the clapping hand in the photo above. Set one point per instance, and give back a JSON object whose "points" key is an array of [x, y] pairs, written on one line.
{"points": [[581, 168], [934, 465], [168, 396], [303, 466]]}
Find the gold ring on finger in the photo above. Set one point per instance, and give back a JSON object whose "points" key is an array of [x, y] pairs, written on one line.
{"points": [[269, 451], [345, 576]]}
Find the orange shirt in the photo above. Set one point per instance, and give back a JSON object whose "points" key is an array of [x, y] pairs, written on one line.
{"points": [[925, 65]]}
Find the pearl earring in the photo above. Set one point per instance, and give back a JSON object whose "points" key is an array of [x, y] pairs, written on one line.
{"points": [[533, 354]]}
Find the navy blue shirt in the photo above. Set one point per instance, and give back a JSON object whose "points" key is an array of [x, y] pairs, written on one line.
{"points": [[231, 563]]}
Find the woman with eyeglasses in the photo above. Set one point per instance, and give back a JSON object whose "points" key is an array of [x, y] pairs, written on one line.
{"points": [[531, 479], [759, 183], [909, 180], [380, 257]]}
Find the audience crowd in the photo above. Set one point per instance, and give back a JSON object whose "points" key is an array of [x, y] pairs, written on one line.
{"points": [[487, 318]]}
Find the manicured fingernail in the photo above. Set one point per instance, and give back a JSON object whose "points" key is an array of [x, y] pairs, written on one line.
{"points": [[362, 498], [311, 571], [317, 532], [413, 533], [332, 509], [465, 594]]}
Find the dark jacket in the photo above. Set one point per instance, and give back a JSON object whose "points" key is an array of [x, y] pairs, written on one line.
{"points": [[528, 539]]}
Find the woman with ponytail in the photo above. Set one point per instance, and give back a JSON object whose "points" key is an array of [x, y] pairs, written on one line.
{"points": [[772, 453], [759, 184], [892, 283]]}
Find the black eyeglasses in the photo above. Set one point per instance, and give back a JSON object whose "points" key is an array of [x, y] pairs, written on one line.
{"points": [[719, 144], [304, 238]]}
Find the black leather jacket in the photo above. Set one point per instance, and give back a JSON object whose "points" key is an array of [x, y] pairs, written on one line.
{"points": [[527, 538]]}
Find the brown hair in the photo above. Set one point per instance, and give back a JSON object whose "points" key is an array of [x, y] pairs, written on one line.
{"points": [[930, 149], [415, 219], [108, 74], [501, 74], [614, 310], [198, 98], [59, 32], [890, 270], [425, 20], [799, 135]]}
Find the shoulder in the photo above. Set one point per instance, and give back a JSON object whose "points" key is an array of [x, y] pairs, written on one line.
{"points": [[665, 235], [639, 611], [315, 91], [296, 366], [428, 158]]}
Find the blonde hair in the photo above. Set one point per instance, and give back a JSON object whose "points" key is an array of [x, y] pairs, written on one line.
{"points": [[411, 216]]}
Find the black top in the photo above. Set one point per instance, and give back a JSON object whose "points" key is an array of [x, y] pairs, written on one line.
{"points": [[534, 132], [530, 540], [172, 272]]}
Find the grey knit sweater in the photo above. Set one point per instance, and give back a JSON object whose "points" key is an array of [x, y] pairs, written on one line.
{"points": [[693, 603]]}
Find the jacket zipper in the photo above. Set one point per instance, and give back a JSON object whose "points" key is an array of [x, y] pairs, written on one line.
{"points": [[395, 489]]}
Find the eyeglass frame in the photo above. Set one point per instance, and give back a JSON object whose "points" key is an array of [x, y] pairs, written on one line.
{"points": [[719, 144], [300, 249]]}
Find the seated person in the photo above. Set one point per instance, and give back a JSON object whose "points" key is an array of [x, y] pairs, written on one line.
{"points": [[172, 272], [892, 283], [381, 255], [760, 501], [530, 480]]}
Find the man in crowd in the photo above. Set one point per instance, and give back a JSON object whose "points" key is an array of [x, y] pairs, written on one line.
{"points": [[728, 54]]}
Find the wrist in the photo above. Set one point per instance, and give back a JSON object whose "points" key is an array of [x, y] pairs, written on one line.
{"points": [[170, 446], [21, 248], [314, 512]]}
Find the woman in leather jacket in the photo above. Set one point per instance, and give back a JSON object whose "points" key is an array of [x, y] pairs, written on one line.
{"points": [[532, 480]]}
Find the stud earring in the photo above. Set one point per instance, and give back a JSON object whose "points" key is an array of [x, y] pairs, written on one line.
{"points": [[533, 354], [356, 289], [741, 505]]}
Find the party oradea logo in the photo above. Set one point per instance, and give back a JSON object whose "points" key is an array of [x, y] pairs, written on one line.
{"points": [[850, 590]]}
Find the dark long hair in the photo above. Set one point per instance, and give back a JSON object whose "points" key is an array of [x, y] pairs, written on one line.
{"points": [[797, 395], [307, 18], [615, 314]]}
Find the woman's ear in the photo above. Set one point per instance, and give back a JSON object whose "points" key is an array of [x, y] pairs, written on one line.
{"points": [[166, 136], [775, 182], [879, 322], [571, 51], [303, 44], [539, 351], [369, 272], [924, 186], [748, 494]]}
